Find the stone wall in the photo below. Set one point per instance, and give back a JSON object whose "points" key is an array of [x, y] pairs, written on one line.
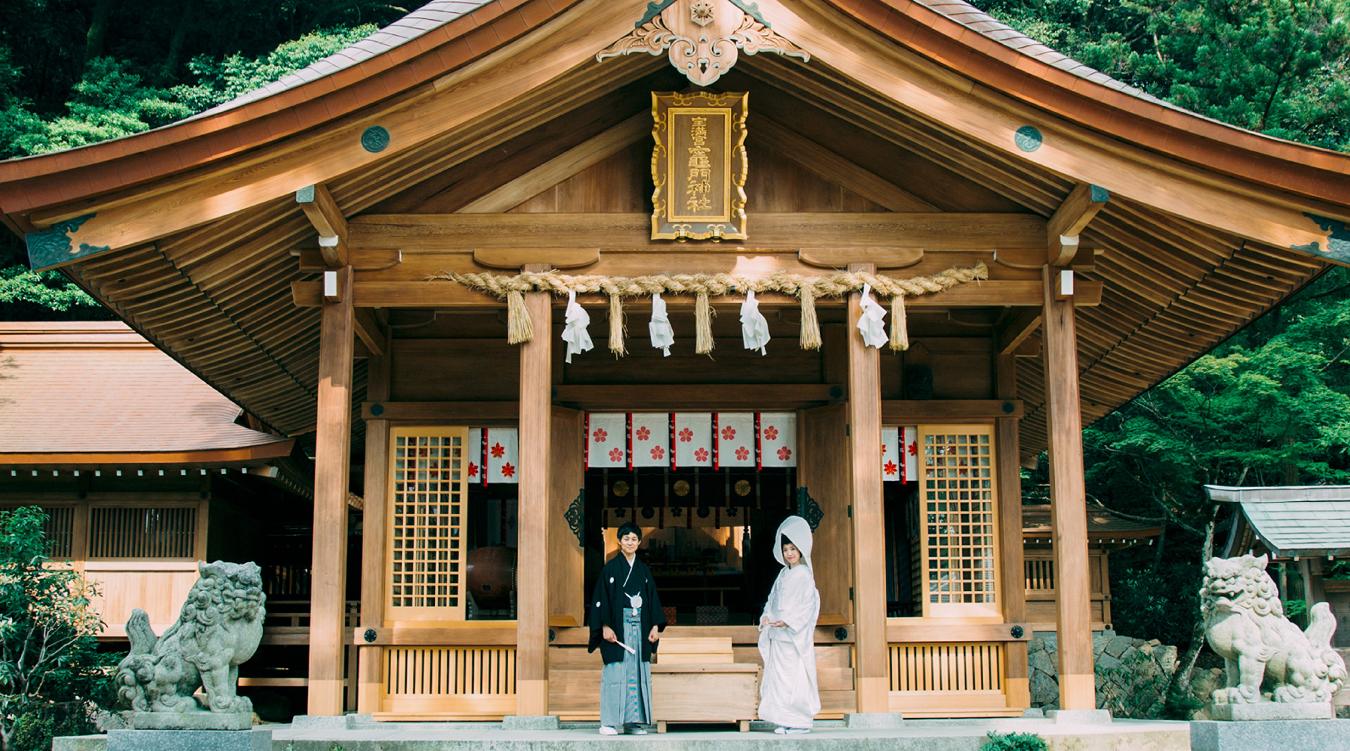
{"points": [[1132, 674]]}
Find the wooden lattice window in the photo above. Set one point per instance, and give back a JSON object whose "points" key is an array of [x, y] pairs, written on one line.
{"points": [[143, 532], [60, 530], [428, 515], [960, 512]]}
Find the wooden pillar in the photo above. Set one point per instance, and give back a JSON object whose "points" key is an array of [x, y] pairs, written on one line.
{"points": [[1064, 426], [328, 576], [871, 669], [536, 407], [1012, 578], [374, 531]]}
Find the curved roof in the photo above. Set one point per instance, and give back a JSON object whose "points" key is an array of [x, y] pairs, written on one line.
{"points": [[409, 28], [446, 34], [201, 218]]}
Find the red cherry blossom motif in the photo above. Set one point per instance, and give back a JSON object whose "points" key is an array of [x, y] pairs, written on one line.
{"points": [[700, 455], [508, 470], [686, 435], [498, 451], [913, 449], [473, 469], [771, 433], [728, 433], [658, 453], [890, 468], [742, 454], [784, 453], [599, 435], [642, 433], [616, 455]]}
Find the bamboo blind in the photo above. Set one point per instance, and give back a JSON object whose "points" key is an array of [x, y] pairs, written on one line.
{"points": [[947, 667], [151, 532], [449, 671], [427, 523], [1040, 574], [959, 519]]}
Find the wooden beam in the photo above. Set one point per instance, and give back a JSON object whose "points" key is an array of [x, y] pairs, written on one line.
{"points": [[1017, 682], [323, 212], [882, 258], [373, 533], [869, 529], [557, 258], [564, 166], [697, 396], [953, 230], [903, 411], [825, 163], [536, 415], [1069, 221], [370, 331], [444, 294], [1068, 496], [331, 466], [1018, 327], [475, 412]]}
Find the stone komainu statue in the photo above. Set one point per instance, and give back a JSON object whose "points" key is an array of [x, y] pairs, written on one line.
{"points": [[218, 630], [1245, 624]]}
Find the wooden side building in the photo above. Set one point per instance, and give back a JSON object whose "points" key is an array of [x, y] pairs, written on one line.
{"points": [[316, 250]]}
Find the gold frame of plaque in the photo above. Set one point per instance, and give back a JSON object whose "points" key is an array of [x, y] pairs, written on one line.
{"points": [[700, 193]]}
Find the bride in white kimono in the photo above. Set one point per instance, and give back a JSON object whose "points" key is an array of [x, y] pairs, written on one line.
{"points": [[788, 695]]}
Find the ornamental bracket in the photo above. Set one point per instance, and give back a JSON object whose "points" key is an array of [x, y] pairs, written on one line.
{"points": [[703, 38]]}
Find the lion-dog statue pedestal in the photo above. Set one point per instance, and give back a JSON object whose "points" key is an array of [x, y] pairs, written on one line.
{"points": [[1280, 679], [218, 630]]}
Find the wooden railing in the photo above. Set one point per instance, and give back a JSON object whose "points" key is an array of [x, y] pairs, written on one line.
{"points": [[448, 682], [1040, 574], [948, 678]]}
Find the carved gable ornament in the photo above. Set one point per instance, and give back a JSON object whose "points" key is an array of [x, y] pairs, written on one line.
{"points": [[703, 38]]}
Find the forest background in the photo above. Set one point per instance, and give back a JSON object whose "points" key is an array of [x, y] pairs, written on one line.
{"points": [[1269, 406]]}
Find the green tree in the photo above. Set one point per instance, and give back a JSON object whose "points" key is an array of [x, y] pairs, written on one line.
{"points": [[50, 672]]}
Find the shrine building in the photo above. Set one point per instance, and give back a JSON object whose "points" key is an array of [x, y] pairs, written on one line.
{"points": [[516, 272]]}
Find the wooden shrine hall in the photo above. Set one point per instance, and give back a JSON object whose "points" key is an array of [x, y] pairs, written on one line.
{"points": [[525, 269]]}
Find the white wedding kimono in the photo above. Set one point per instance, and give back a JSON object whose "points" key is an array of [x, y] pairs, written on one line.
{"points": [[788, 694]]}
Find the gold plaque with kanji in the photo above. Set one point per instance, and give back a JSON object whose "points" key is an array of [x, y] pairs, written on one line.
{"points": [[699, 165]]}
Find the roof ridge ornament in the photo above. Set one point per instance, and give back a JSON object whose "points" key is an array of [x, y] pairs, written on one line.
{"points": [[703, 38]]}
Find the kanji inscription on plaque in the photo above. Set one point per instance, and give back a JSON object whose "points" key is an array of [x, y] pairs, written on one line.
{"points": [[699, 166]]}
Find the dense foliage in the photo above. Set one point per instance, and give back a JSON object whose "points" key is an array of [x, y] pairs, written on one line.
{"points": [[51, 677], [1278, 67]]}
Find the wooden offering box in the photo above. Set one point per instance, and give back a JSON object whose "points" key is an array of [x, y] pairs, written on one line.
{"points": [[698, 680]]}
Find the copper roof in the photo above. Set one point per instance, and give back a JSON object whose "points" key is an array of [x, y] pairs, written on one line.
{"points": [[98, 388], [1294, 520]]}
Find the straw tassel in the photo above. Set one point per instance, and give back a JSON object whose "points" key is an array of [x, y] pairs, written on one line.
{"points": [[899, 326], [616, 327], [703, 337], [519, 329], [810, 335]]}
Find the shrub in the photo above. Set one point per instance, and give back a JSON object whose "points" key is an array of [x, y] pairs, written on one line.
{"points": [[1014, 742], [50, 671]]}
